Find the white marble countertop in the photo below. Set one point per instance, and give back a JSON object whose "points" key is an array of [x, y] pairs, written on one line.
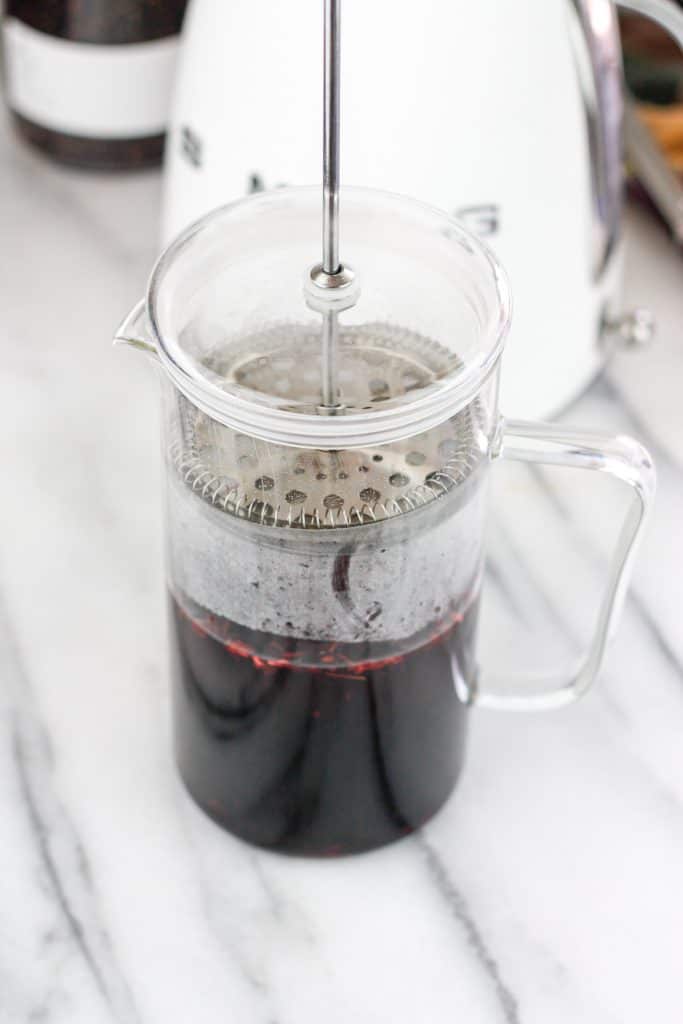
{"points": [[551, 887]]}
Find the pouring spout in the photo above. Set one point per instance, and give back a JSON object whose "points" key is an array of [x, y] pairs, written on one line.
{"points": [[134, 331], [138, 343]]}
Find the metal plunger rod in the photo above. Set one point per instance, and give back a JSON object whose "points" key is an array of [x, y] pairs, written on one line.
{"points": [[331, 133], [330, 390]]}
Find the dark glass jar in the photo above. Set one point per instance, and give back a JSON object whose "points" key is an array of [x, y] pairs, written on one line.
{"points": [[88, 81]]}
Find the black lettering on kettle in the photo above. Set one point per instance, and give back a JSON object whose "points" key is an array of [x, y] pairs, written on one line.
{"points": [[483, 219], [191, 146], [256, 182]]}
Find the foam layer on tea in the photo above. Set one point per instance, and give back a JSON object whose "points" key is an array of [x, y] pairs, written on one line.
{"points": [[379, 582]]}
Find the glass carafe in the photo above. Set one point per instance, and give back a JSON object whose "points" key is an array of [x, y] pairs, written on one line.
{"points": [[325, 565]]}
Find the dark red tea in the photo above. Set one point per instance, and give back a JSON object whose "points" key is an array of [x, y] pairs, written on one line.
{"points": [[318, 748]]}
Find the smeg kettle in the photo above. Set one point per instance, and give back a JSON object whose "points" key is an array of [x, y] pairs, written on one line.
{"points": [[507, 115]]}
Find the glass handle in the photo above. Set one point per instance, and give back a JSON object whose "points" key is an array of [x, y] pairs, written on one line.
{"points": [[627, 461]]}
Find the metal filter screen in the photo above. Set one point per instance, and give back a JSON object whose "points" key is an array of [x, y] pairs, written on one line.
{"points": [[275, 485]]}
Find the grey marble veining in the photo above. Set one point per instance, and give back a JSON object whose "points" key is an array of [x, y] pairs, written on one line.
{"points": [[551, 886]]}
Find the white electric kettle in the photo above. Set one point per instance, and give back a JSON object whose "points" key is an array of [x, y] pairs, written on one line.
{"points": [[508, 114]]}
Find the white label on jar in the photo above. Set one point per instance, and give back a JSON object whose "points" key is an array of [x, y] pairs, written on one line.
{"points": [[103, 92]]}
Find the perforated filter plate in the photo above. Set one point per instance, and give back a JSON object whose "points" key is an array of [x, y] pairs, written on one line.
{"points": [[277, 485]]}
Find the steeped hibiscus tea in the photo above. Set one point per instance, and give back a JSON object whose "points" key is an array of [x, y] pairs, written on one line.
{"points": [[318, 748]]}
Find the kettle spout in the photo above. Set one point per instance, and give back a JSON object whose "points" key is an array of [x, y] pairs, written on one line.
{"points": [[134, 331]]}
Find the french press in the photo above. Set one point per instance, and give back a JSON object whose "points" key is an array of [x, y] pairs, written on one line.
{"points": [[328, 436]]}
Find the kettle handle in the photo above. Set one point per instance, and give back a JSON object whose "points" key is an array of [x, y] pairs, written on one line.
{"points": [[604, 104], [598, 57], [628, 462]]}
